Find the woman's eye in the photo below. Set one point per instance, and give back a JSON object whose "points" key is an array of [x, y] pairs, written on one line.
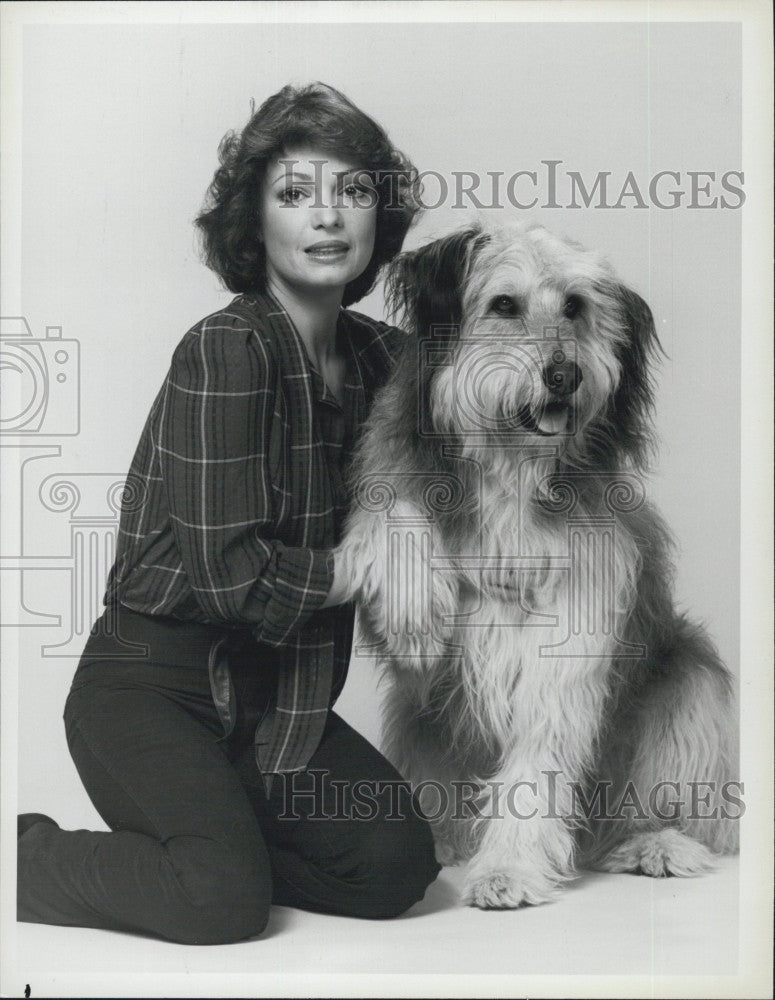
{"points": [[291, 195], [504, 305], [572, 306], [359, 193]]}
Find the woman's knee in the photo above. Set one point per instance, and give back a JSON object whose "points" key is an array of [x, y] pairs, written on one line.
{"points": [[225, 893], [400, 865]]}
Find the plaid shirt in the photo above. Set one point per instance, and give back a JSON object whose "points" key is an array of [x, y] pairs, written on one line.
{"points": [[236, 495]]}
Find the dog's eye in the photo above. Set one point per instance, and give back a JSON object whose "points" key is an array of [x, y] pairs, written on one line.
{"points": [[504, 305], [572, 306]]}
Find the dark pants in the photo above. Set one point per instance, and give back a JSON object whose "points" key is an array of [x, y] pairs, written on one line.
{"points": [[197, 851]]}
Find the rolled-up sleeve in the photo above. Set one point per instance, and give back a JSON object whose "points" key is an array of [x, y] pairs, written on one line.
{"points": [[214, 443]]}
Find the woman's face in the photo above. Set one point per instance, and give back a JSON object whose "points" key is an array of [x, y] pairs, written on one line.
{"points": [[318, 222]]}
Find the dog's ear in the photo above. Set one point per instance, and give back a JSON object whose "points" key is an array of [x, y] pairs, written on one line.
{"points": [[631, 405], [424, 287], [639, 320]]}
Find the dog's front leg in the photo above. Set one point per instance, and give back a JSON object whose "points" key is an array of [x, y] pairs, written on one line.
{"points": [[407, 605], [526, 846], [526, 826]]}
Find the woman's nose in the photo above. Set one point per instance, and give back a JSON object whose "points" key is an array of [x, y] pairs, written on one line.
{"points": [[327, 214]]}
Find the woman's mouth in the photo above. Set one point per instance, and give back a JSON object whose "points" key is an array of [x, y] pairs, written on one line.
{"points": [[327, 250]]}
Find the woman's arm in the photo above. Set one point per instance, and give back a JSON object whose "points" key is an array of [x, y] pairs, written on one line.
{"points": [[215, 459]]}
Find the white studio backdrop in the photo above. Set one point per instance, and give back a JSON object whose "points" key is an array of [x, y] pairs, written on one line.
{"points": [[120, 126]]}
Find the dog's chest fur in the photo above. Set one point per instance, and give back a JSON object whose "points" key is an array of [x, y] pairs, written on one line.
{"points": [[522, 642]]}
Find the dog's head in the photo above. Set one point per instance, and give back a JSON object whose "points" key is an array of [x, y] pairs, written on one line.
{"points": [[523, 336]]}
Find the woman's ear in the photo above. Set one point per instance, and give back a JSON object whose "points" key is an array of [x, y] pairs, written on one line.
{"points": [[424, 287]]}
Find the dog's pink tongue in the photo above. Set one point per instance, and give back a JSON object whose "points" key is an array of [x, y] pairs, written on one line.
{"points": [[552, 420]]}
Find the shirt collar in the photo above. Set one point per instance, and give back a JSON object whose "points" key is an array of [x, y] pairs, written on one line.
{"points": [[355, 352]]}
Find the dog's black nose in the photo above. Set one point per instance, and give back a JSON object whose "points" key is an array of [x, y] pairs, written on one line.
{"points": [[563, 377]]}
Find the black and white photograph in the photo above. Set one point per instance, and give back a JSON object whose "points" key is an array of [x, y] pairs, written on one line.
{"points": [[386, 554]]}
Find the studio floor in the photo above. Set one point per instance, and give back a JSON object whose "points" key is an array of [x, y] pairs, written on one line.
{"points": [[603, 925]]}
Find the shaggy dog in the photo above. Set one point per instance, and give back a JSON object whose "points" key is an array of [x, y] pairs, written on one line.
{"points": [[545, 697]]}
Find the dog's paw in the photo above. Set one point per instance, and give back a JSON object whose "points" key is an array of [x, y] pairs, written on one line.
{"points": [[506, 890], [659, 853]]}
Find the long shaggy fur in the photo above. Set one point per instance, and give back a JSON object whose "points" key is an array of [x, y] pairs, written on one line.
{"points": [[516, 585]]}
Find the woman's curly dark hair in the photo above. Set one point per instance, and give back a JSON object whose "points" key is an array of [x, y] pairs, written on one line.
{"points": [[316, 116]]}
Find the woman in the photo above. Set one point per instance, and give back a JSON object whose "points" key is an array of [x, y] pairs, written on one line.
{"points": [[200, 715]]}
